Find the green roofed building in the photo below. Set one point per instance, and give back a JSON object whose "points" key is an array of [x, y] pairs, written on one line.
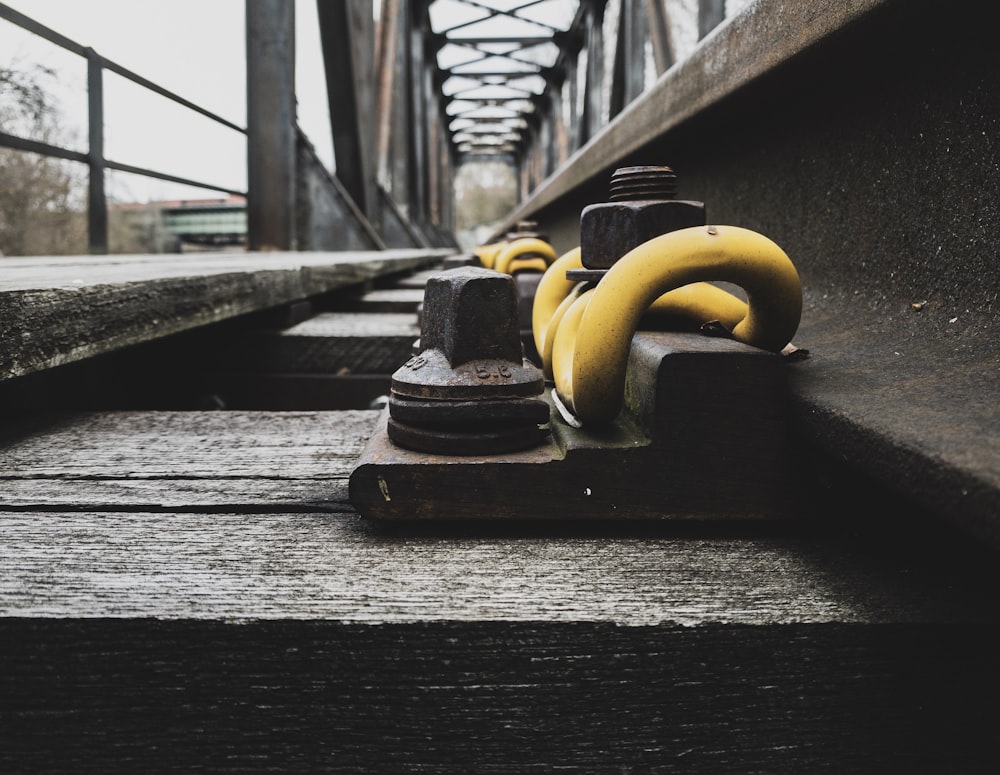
{"points": [[208, 222]]}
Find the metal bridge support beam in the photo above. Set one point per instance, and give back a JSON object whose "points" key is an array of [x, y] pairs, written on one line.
{"points": [[630, 56], [392, 127], [389, 162], [593, 105], [420, 93], [659, 35], [573, 79], [563, 148], [270, 124], [348, 37]]}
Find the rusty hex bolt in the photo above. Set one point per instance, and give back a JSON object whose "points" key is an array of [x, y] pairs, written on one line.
{"points": [[470, 389], [470, 314], [525, 229], [642, 206]]}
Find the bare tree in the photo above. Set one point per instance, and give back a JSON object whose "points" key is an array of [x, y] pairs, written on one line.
{"points": [[41, 201]]}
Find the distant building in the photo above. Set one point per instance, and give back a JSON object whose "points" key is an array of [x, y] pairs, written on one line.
{"points": [[207, 222], [180, 225]]}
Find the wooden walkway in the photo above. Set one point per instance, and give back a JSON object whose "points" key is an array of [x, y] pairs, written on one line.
{"points": [[192, 590]]}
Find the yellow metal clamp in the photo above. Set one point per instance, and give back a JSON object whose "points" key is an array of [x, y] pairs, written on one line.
{"points": [[487, 253], [519, 249], [590, 347], [699, 303], [552, 290], [530, 264]]}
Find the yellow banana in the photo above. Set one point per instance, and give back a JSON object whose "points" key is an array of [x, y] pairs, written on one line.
{"points": [[590, 348]]}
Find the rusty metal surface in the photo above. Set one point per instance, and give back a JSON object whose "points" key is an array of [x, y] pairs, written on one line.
{"points": [[429, 375], [470, 314], [703, 436], [470, 369], [445, 413], [641, 207], [487, 440], [904, 396]]}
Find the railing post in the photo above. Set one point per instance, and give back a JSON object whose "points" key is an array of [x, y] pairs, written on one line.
{"points": [[270, 124], [347, 36], [97, 203]]}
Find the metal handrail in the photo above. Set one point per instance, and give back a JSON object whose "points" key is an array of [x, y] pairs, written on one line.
{"points": [[94, 157]]}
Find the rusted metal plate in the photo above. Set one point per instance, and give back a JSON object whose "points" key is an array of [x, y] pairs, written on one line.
{"points": [[702, 437]]}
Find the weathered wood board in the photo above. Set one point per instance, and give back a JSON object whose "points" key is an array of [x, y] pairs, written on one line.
{"points": [[328, 343], [68, 500], [58, 310], [416, 279], [387, 300], [194, 590], [247, 613], [127, 695], [182, 460]]}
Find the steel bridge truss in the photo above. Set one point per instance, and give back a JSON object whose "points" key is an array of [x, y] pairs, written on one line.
{"points": [[449, 82]]}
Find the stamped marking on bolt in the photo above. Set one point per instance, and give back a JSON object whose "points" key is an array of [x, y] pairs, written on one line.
{"points": [[500, 371]]}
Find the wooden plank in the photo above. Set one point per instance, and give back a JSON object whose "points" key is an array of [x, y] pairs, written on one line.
{"points": [[58, 310], [322, 566], [76, 511], [329, 343], [170, 460], [299, 392], [387, 300], [416, 279], [103, 696], [223, 627], [333, 361]]}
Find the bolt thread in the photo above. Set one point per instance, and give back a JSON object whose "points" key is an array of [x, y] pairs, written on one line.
{"points": [[636, 183]]}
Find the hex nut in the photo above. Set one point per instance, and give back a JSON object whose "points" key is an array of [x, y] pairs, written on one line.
{"points": [[609, 230]]}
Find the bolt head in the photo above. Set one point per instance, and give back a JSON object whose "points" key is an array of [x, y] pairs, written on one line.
{"points": [[470, 314]]}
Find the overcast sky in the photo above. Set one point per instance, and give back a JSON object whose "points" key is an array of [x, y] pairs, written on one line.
{"points": [[195, 48]]}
